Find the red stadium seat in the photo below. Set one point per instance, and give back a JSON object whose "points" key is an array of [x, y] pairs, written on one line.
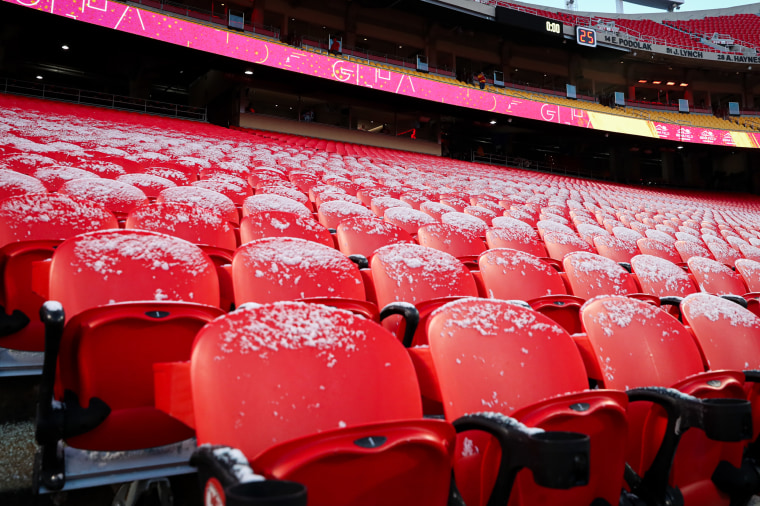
{"points": [[261, 224], [559, 244], [592, 275], [511, 274], [715, 277], [485, 352], [131, 298], [363, 236], [657, 248], [14, 183], [630, 344], [286, 268], [31, 227], [459, 242]]}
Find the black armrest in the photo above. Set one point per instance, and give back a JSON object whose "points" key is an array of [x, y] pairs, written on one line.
{"points": [[360, 260], [557, 459], [737, 299], [626, 266], [721, 419], [241, 486], [411, 317], [59, 420], [671, 300], [12, 323], [752, 375]]}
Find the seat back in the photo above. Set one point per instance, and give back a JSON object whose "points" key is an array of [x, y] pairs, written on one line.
{"points": [[258, 225], [335, 405], [749, 270], [654, 247], [515, 237], [287, 268], [416, 274], [591, 275], [723, 253], [364, 236], [688, 249], [512, 274], [454, 240], [108, 267], [203, 198], [408, 219], [728, 335], [331, 213], [661, 277], [191, 223], [615, 249], [117, 197], [42, 216], [14, 183], [715, 277], [559, 244]]}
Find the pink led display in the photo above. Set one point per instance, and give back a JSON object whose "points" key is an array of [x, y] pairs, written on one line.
{"points": [[160, 26]]}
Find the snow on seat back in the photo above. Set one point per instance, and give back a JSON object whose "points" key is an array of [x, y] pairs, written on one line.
{"points": [[111, 266], [414, 274], [559, 244], [465, 222], [235, 192], [42, 216], [436, 209], [287, 268], [660, 236], [331, 213], [272, 202], [263, 224], [511, 274], [14, 183], [589, 232], [151, 186], [54, 176], [728, 334], [285, 191], [484, 350], [203, 198], [636, 344], [176, 176], [103, 168], [335, 354], [723, 253], [408, 219], [379, 205], [549, 226], [592, 275], [615, 249], [661, 277], [26, 163], [191, 223], [506, 234], [364, 235], [715, 277], [749, 270], [454, 240], [117, 197], [688, 249], [649, 246], [483, 212]]}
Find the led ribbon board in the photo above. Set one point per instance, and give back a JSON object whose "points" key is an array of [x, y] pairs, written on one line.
{"points": [[232, 44]]}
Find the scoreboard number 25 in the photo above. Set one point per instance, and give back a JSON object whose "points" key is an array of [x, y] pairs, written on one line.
{"points": [[585, 36]]}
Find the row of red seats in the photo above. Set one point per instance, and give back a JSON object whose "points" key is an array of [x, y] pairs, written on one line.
{"points": [[134, 321]]}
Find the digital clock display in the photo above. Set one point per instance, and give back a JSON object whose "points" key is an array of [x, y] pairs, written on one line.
{"points": [[585, 36]]}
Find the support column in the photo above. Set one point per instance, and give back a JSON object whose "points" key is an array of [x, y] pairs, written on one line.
{"points": [[632, 92]]}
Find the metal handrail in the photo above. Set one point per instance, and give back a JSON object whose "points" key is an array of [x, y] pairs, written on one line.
{"points": [[108, 100]]}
